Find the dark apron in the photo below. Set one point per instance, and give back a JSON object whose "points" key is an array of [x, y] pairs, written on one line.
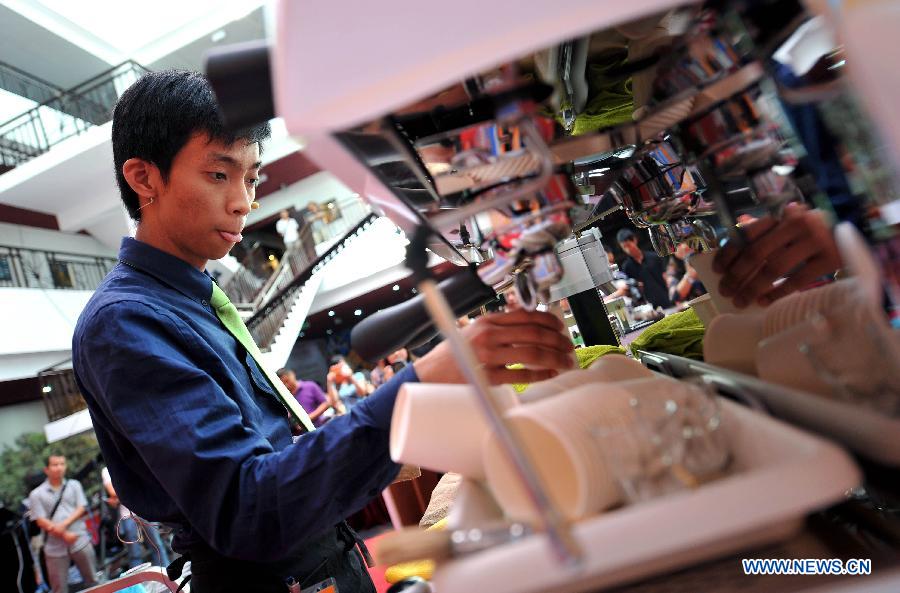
{"points": [[331, 555]]}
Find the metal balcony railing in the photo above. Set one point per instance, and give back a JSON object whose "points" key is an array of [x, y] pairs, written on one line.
{"points": [[60, 392], [27, 85], [73, 112], [34, 268]]}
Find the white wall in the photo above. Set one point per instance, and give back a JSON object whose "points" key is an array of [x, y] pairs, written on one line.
{"points": [[110, 228], [12, 105], [18, 419], [370, 261], [320, 187], [28, 364], [14, 235], [38, 323], [379, 247], [38, 320]]}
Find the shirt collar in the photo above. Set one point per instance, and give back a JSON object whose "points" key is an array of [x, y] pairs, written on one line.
{"points": [[50, 486], [166, 268]]}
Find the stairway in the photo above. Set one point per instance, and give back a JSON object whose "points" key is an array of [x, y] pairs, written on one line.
{"points": [[278, 352], [276, 324]]}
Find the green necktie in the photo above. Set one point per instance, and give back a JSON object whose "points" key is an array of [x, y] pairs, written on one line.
{"points": [[231, 319]]}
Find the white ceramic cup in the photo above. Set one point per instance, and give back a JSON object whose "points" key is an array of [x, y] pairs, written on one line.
{"points": [[673, 442], [597, 445], [558, 436], [442, 427], [800, 306], [705, 309], [731, 340], [609, 368], [780, 358], [703, 263]]}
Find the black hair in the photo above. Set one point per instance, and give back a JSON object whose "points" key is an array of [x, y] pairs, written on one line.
{"points": [[337, 359], [282, 372], [624, 235], [52, 454], [157, 115]]}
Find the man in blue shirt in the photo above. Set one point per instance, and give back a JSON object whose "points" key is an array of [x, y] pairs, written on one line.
{"points": [[191, 429]]}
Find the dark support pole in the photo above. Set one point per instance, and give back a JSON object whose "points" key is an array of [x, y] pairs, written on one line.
{"points": [[592, 319]]}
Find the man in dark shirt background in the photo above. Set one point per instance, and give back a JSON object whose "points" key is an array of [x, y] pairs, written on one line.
{"points": [[646, 267]]}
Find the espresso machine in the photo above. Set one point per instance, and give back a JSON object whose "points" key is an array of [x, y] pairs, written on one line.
{"points": [[498, 137], [684, 133]]}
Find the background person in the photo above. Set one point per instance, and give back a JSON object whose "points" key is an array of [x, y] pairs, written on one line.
{"points": [[58, 506]]}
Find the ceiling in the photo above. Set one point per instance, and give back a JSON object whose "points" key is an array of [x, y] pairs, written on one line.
{"points": [[66, 43], [191, 56], [323, 323], [33, 49]]}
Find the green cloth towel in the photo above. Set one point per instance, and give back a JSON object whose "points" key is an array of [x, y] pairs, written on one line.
{"points": [[586, 357], [610, 99], [680, 334]]}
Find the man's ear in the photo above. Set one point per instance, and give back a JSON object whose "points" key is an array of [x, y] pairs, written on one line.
{"points": [[143, 177]]}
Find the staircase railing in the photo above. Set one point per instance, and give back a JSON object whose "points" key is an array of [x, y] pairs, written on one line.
{"points": [[268, 319], [248, 289], [34, 268], [27, 85], [75, 111]]}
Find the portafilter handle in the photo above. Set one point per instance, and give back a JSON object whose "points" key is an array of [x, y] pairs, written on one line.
{"points": [[393, 328]]}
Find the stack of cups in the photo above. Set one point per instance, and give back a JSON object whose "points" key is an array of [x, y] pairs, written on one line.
{"points": [[599, 445], [801, 306], [442, 427], [557, 434]]}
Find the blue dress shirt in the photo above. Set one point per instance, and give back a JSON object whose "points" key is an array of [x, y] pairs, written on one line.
{"points": [[193, 433]]}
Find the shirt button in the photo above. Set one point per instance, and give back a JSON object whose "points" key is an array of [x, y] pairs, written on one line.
{"points": [[205, 304]]}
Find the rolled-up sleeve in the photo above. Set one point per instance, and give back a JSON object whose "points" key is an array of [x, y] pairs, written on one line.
{"points": [[245, 499]]}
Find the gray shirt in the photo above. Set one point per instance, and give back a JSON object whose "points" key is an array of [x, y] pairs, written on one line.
{"points": [[41, 501]]}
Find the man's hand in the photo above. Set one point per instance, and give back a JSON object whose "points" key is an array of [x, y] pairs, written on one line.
{"points": [[532, 338], [69, 537], [799, 247], [56, 529]]}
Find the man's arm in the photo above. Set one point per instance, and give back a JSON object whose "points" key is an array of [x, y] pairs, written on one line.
{"points": [[111, 497], [359, 385], [245, 499], [318, 397], [47, 525], [314, 415], [333, 396], [684, 286], [39, 516], [80, 510]]}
